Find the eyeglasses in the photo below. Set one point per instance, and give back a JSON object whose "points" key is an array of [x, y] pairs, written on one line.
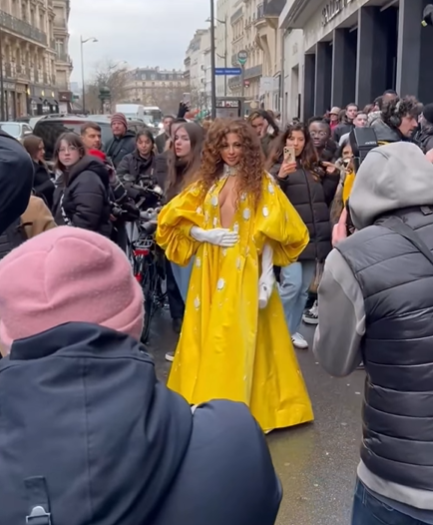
{"points": [[69, 149], [321, 133]]}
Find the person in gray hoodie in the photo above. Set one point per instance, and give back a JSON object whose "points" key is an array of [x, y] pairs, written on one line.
{"points": [[376, 306]]}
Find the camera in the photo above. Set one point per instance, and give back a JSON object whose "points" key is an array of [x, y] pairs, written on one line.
{"points": [[362, 140], [427, 16]]}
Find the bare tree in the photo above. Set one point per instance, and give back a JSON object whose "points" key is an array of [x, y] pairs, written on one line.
{"points": [[109, 75], [166, 98]]}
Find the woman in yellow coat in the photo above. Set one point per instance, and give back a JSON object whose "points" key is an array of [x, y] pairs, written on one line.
{"points": [[236, 221]]}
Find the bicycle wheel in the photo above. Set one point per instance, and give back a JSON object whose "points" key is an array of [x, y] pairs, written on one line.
{"points": [[149, 282]]}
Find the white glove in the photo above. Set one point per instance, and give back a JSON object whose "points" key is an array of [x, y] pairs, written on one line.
{"points": [[218, 236], [267, 279]]}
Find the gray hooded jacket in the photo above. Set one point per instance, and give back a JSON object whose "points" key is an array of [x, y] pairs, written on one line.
{"points": [[392, 178]]}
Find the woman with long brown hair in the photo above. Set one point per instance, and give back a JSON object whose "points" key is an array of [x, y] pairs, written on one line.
{"points": [[237, 223], [183, 162], [310, 186], [43, 186]]}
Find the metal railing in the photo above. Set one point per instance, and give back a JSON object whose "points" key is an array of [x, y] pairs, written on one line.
{"points": [[16, 25]]}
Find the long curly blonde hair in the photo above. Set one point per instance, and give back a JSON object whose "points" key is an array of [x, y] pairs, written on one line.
{"points": [[251, 166]]}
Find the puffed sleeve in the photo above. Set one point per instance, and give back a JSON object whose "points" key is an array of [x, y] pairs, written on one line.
{"points": [[175, 222], [279, 224]]}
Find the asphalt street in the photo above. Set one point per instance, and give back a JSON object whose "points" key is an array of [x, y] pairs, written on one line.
{"points": [[316, 462]]}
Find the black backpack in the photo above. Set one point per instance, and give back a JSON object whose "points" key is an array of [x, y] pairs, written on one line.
{"points": [[13, 237]]}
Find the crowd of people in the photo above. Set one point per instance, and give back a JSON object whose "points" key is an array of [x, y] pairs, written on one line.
{"points": [[257, 232]]}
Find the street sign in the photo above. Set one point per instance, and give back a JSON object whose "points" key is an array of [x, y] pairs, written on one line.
{"points": [[228, 71], [242, 57]]}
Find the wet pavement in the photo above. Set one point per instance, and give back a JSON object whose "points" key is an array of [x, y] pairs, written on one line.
{"points": [[316, 462]]}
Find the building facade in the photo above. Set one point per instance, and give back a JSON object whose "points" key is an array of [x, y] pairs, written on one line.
{"points": [[63, 62], [224, 38], [352, 51], [198, 70], [152, 86], [28, 75]]}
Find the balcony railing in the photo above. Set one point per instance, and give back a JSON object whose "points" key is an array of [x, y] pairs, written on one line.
{"points": [[16, 25]]}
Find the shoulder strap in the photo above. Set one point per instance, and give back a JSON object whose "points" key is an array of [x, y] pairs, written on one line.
{"points": [[398, 226], [39, 504]]}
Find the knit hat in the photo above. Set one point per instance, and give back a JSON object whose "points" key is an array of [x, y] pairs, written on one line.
{"points": [[428, 113], [119, 117], [67, 275]]}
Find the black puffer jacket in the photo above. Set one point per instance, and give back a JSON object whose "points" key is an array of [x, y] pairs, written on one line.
{"points": [[43, 185], [85, 201], [312, 196], [342, 129], [141, 170], [117, 148]]}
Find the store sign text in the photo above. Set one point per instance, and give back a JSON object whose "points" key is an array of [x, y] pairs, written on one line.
{"points": [[333, 9]]}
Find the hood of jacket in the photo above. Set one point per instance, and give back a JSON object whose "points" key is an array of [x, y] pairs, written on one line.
{"points": [[14, 191], [89, 163], [392, 177], [129, 134], [88, 397], [385, 133]]}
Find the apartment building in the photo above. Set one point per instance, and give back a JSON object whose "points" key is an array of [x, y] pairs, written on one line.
{"points": [[28, 73], [152, 86], [63, 62], [198, 71], [352, 51]]}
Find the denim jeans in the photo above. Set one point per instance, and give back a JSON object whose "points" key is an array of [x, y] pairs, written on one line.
{"points": [[368, 510], [295, 281], [182, 275]]}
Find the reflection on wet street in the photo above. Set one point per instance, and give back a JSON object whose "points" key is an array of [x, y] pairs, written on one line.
{"points": [[316, 462]]}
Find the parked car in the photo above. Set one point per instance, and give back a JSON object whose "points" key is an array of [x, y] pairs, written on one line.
{"points": [[50, 128], [18, 130]]}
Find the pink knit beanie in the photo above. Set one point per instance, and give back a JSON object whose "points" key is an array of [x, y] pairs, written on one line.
{"points": [[67, 274]]}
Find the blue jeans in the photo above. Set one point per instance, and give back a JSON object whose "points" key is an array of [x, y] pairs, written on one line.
{"points": [[295, 281], [182, 275], [368, 510]]}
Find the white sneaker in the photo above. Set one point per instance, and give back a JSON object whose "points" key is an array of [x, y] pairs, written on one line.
{"points": [[311, 316], [299, 341], [169, 356]]}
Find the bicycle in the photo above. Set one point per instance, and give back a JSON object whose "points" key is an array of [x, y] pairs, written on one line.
{"points": [[148, 268]]}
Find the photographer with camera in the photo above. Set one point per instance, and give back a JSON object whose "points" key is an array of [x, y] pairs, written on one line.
{"points": [[376, 284], [399, 120]]}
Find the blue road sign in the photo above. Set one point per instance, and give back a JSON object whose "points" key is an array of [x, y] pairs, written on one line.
{"points": [[228, 71]]}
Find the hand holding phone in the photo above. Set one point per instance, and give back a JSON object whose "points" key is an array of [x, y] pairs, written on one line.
{"points": [[289, 154]]}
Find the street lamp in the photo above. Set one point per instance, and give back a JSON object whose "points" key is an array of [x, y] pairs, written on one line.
{"points": [[212, 58], [82, 42], [224, 22]]}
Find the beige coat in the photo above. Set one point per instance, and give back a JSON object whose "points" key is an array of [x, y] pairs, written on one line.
{"points": [[37, 218]]}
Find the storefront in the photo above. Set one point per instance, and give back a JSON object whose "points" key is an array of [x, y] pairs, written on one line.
{"points": [[43, 101], [352, 51]]}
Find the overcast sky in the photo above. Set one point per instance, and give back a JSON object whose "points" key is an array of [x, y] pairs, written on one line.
{"points": [[140, 32]]}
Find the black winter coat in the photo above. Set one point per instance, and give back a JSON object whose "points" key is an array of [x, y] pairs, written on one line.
{"points": [[141, 170], [161, 141], [340, 130], [312, 197], [115, 445], [43, 185], [85, 201], [117, 148]]}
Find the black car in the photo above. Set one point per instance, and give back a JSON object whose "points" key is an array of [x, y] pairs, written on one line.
{"points": [[50, 129]]}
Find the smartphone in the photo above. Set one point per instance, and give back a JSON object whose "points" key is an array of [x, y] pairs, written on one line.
{"points": [[289, 154], [346, 163]]}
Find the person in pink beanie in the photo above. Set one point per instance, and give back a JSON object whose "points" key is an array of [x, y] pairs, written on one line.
{"points": [[76, 276], [88, 435]]}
